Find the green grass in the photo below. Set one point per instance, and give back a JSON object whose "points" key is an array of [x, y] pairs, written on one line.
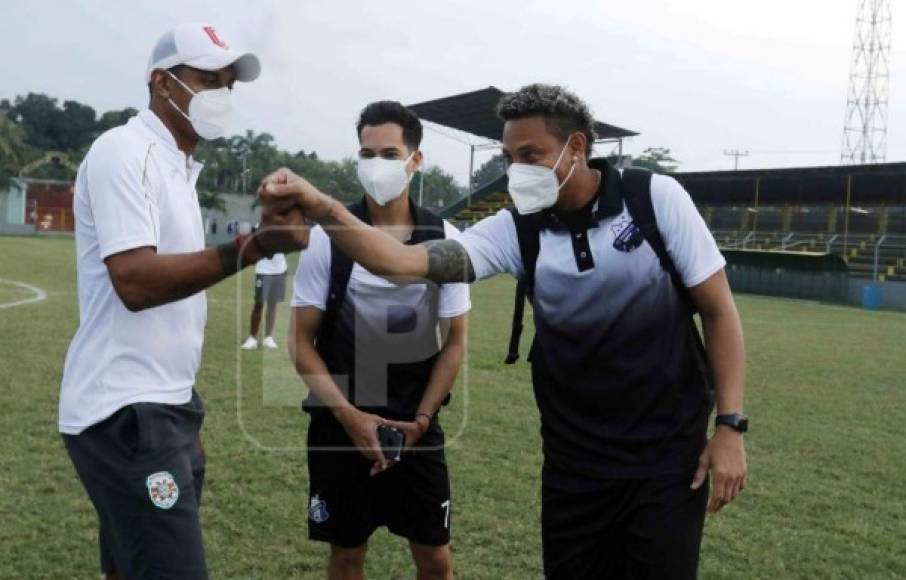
{"points": [[827, 454]]}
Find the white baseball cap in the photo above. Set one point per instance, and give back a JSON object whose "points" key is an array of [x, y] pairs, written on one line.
{"points": [[199, 46]]}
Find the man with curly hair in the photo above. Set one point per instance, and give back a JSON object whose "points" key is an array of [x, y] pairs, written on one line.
{"points": [[619, 373]]}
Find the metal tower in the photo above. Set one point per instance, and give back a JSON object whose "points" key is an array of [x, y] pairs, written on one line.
{"points": [[865, 126]]}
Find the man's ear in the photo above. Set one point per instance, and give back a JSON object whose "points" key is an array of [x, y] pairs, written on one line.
{"points": [[160, 84], [417, 159], [578, 145]]}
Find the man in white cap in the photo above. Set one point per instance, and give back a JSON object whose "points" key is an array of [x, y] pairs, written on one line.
{"points": [[129, 414]]}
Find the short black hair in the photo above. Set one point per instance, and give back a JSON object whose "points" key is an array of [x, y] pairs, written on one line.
{"points": [[382, 112], [563, 111]]}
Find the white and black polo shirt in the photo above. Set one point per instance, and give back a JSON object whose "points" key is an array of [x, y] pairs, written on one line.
{"points": [[614, 376], [135, 188], [385, 337]]}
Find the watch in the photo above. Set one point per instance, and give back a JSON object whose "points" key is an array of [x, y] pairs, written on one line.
{"points": [[736, 421]]}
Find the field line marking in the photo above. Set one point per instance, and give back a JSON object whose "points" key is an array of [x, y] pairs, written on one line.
{"points": [[38, 294]]}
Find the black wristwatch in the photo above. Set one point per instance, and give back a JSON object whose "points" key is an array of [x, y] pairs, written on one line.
{"points": [[736, 421]]}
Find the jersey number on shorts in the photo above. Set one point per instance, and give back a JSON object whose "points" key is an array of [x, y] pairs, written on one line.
{"points": [[446, 507]]}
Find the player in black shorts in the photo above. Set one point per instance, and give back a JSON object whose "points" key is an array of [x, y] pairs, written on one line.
{"points": [[369, 351], [616, 264]]}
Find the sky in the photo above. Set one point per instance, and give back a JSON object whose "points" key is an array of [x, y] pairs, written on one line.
{"points": [[696, 76]]}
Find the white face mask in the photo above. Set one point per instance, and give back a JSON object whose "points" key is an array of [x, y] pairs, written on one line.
{"points": [[384, 179], [209, 111], [535, 187]]}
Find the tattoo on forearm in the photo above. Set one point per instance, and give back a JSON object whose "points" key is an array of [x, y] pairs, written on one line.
{"points": [[448, 261]]}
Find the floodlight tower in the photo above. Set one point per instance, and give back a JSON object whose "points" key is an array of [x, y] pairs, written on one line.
{"points": [[865, 125]]}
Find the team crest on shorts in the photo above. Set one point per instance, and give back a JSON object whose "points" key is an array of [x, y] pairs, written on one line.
{"points": [[317, 511], [162, 489]]}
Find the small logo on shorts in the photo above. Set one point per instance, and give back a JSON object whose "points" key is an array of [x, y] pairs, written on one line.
{"points": [[162, 489], [317, 511]]}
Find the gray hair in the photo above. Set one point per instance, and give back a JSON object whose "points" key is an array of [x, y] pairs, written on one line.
{"points": [[563, 111]]}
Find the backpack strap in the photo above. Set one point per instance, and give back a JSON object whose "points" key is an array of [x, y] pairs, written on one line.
{"points": [[516, 326], [340, 272], [636, 191], [528, 231], [428, 225]]}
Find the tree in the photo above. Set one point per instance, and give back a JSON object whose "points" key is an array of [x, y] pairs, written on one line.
{"points": [[33, 125], [656, 159], [112, 119], [211, 200], [13, 150], [41, 119], [78, 126], [440, 188], [489, 171], [238, 163]]}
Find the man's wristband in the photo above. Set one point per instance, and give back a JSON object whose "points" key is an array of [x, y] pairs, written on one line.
{"points": [[229, 256]]}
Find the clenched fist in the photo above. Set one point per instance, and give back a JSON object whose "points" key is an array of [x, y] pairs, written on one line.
{"points": [[283, 232], [283, 189]]}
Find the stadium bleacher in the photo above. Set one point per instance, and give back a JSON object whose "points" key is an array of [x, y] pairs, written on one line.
{"points": [[856, 212]]}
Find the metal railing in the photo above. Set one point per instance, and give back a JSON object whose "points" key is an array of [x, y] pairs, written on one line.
{"points": [[874, 275], [886, 249]]}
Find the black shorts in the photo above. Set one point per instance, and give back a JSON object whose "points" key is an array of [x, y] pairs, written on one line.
{"points": [[613, 529], [270, 288], [346, 504], [143, 469]]}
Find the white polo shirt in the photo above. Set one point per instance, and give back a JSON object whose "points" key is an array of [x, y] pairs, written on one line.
{"points": [[135, 188], [383, 333], [493, 248], [376, 295], [271, 266], [375, 310]]}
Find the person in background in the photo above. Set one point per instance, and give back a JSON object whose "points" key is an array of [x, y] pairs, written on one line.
{"points": [[270, 290]]}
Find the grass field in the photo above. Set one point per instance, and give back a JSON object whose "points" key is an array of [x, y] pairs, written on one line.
{"points": [[827, 453]]}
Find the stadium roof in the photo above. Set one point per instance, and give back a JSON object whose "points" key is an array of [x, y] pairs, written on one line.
{"points": [[476, 113], [881, 183], [828, 170]]}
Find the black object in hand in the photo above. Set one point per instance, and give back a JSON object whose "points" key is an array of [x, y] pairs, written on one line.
{"points": [[391, 441]]}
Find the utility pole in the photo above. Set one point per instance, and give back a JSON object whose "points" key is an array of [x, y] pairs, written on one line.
{"points": [[735, 154], [865, 123]]}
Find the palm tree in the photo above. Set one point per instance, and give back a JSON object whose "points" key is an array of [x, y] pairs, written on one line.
{"points": [[13, 149], [251, 147]]}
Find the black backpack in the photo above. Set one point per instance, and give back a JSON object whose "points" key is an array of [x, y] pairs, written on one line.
{"points": [[635, 189]]}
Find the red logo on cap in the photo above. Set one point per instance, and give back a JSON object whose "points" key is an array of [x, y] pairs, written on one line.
{"points": [[214, 38]]}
